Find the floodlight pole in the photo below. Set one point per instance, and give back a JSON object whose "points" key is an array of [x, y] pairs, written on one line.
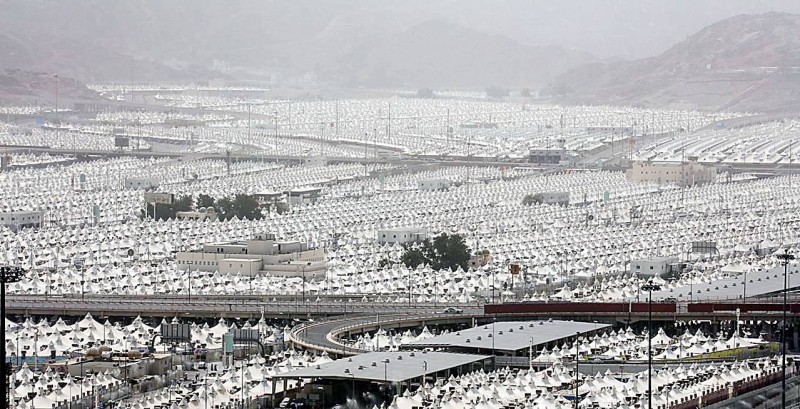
{"points": [[7, 275], [649, 287], [577, 363], [744, 292], [785, 258]]}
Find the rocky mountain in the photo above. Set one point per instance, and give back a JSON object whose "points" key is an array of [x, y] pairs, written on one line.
{"points": [[440, 54], [39, 88], [747, 62], [348, 42]]}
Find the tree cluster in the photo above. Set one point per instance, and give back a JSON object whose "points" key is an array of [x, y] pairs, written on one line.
{"points": [[163, 211], [241, 206], [445, 251], [532, 199]]}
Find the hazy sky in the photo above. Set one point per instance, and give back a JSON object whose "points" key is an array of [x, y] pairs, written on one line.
{"points": [[405, 42]]}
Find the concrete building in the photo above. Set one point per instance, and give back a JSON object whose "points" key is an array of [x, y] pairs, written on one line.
{"points": [[678, 173], [402, 235], [19, 220], [303, 195], [547, 155], [268, 197], [651, 267], [262, 254], [201, 214], [141, 183], [560, 198], [434, 184], [556, 198]]}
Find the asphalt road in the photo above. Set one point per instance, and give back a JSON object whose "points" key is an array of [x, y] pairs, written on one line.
{"points": [[242, 306]]}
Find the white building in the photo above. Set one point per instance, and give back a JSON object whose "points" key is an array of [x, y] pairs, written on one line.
{"points": [[141, 183], [21, 219], [402, 235], [434, 184], [262, 254], [678, 173], [651, 267], [303, 195], [201, 214]]}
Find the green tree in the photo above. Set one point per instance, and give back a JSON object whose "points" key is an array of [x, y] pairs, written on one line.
{"points": [[247, 207], [223, 207], [169, 211], [532, 199], [414, 257], [443, 252], [205, 201], [279, 207], [241, 206]]}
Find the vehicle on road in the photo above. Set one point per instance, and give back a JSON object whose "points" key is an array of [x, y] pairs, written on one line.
{"points": [[452, 310]]}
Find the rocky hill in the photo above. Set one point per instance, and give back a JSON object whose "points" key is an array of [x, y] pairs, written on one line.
{"points": [[338, 41], [39, 88], [748, 62], [440, 54]]}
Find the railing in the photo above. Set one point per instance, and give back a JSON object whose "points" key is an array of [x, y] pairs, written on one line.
{"points": [[348, 324]]}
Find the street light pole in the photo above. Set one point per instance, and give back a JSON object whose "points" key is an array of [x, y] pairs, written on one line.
{"points": [[744, 291], [649, 287], [785, 258], [577, 362], [7, 275]]}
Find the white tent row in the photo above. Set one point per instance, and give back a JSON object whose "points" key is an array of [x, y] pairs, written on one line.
{"points": [[42, 339]]}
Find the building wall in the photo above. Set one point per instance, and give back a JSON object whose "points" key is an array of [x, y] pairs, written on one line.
{"points": [[401, 236], [226, 248], [260, 246], [433, 184], [141, 183], [650, 268], [289, 247], [244, 266], [555, 197], [686, 174], [196, 216], [207, 261], [551, 156], [289, 264], [19, 220]]}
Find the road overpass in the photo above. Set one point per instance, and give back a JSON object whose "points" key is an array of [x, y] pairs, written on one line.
{"points": [[249, 306]]}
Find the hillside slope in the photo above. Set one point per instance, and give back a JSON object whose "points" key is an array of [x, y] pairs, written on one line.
{"points": [[337, 41], [747, 62]]}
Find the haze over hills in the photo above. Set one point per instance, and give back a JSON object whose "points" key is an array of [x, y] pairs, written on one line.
{"points": [[337, 41], [436, 53], [467, 44], [748, 62]]}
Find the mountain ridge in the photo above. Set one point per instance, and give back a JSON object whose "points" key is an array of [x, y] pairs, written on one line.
{"points": [[707, 70]]}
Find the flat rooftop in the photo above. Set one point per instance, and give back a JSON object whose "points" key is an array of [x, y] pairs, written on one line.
{"points": [[509, 335], [402, 366], [766, 281]]}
